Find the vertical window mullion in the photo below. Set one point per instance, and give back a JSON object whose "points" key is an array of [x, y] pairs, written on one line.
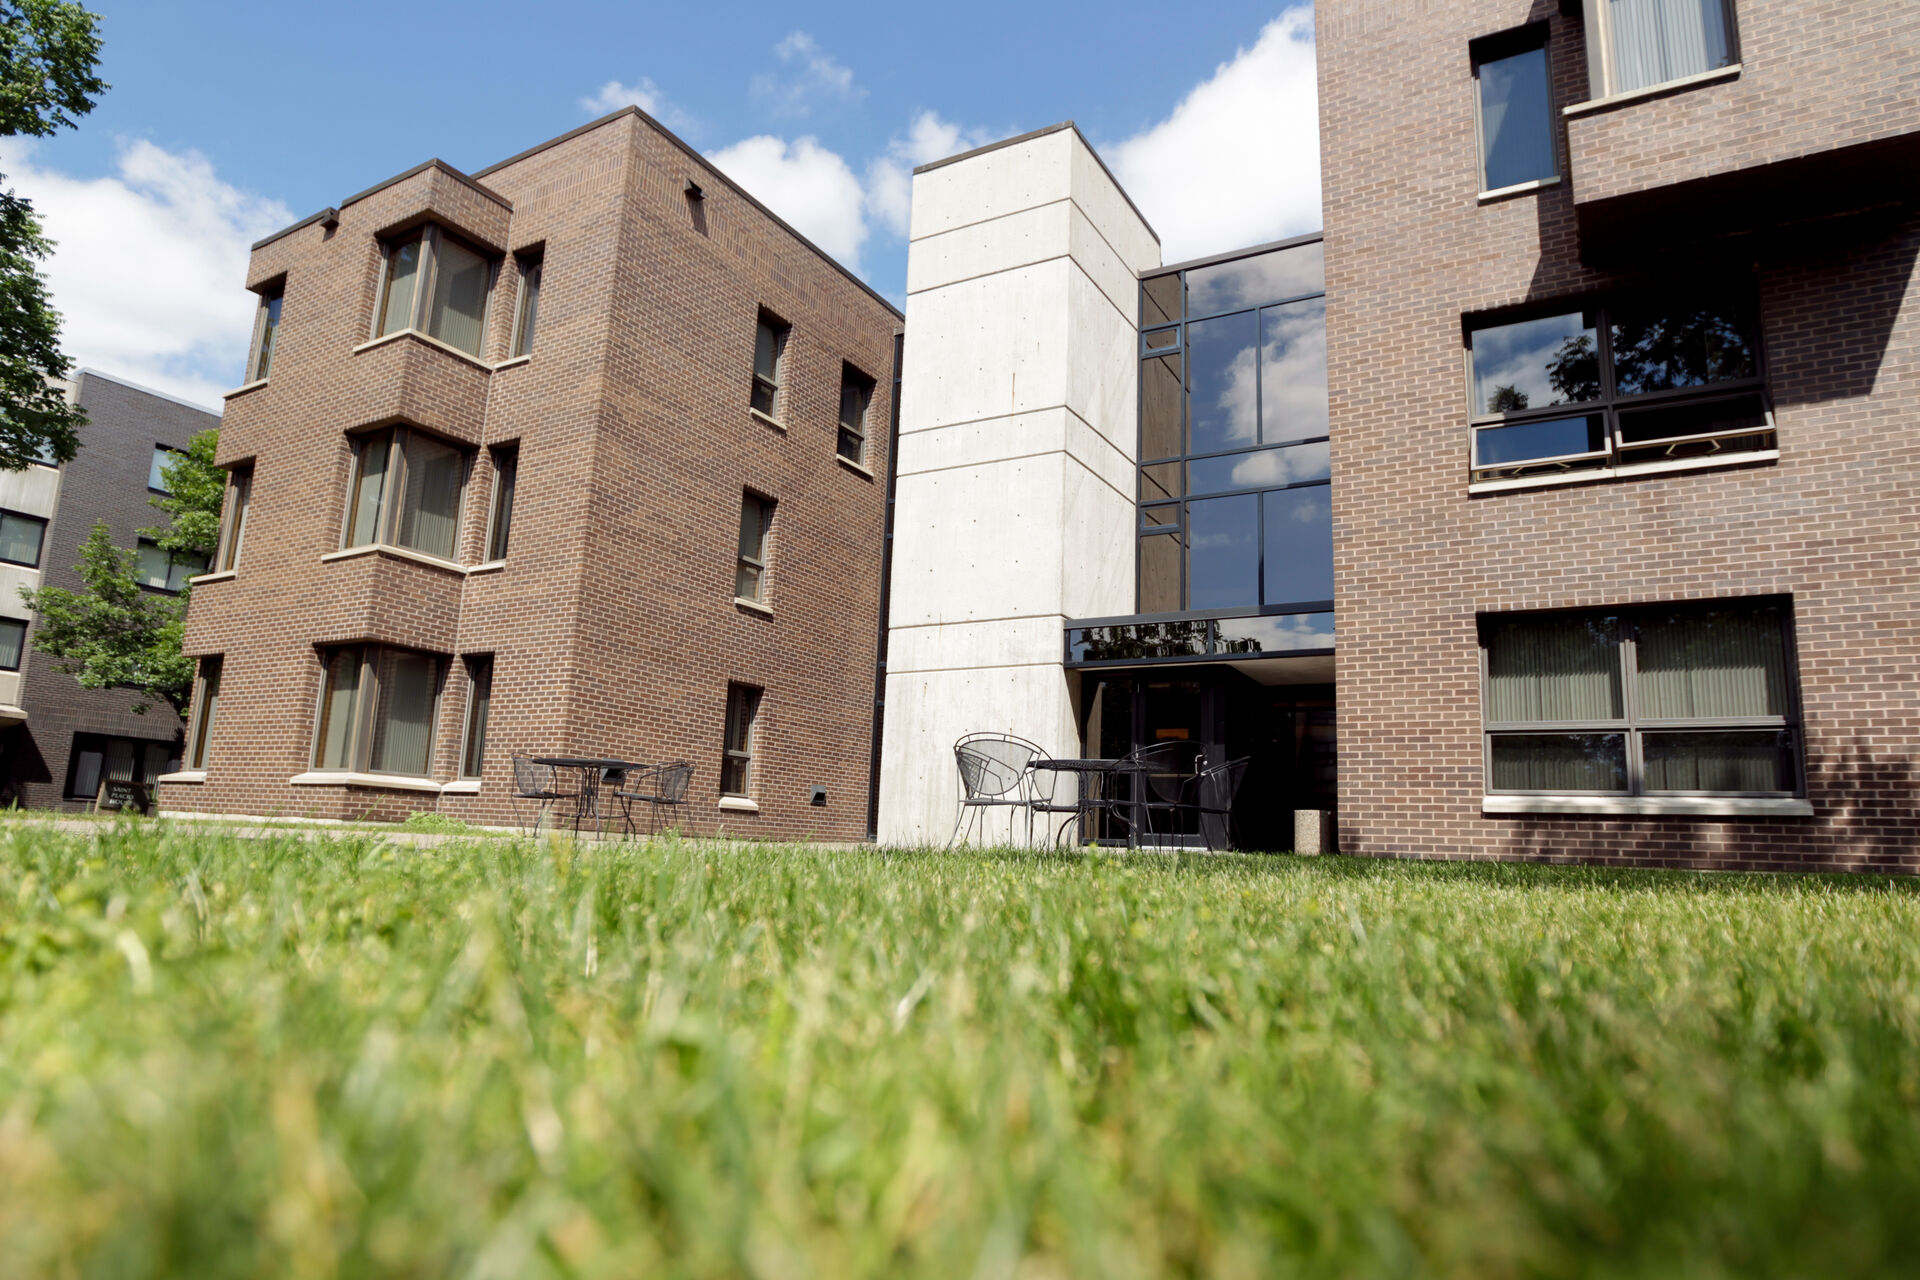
{"points": [[393, 488], [1630, 704], [429, 266], [360, 750]]}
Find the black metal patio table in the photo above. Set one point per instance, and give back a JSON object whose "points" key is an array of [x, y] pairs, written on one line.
{"points": [[1091, 795], [593, 770]]}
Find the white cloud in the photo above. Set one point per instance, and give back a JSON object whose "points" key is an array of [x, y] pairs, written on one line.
{"points": [[149, 265], [1238, 161], [814, 77], [811, 187], [890, 176], [646, 95]]}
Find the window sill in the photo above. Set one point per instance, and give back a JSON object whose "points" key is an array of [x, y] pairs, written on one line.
{"points": [[396, 553], [738, 804], [461, 787], [1593, 105], [853, 466], [1648, 806], [754, 605], [375, 781], [435, 343], [1518, 189], [1623, 473], [184, 775], [775, 423], [223, 576], [508, 364], [491, 566], [243, 388]]}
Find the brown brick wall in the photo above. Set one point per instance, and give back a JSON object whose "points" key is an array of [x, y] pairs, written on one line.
{"points": [[612, 623], [1832, 523]]}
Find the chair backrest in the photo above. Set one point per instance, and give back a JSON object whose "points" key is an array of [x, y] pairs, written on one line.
{"points": [[670, 787], [993, 764], [1166, 769], [530, 779], [1220, 783]]}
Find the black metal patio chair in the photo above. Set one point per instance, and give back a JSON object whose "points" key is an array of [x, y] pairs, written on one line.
{"points": [[993, 775], [1213, 793], [539, 783], [1162, 776], [660, 786]]}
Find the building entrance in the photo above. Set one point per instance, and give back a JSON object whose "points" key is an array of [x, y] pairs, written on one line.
{"points": [[1286, 732]]}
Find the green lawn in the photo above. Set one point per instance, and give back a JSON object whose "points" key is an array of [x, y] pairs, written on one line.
{"points": [[331, 1058]]}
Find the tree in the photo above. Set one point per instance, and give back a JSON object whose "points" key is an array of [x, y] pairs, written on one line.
{"points": [[48, 52], [116, 634]]}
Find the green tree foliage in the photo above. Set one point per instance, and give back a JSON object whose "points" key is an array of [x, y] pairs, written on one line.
{"points": [[116, 634], [48, 52]]}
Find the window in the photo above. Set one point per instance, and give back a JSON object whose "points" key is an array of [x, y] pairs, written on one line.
{"points": [[528, 310], [161, 570], [266, 328], [377, 709], [164, 456], [1515, 109], [769, 353], [1235, 498], [736, 764], [756, 517], [434, 283], [856, 393], [473, 750], [13, 643], [20, 538], [406, 492], [506, 472], [206, 704], [1631, 385], [96, 758], [1635, 44], [233, 517], [1688, 699]]}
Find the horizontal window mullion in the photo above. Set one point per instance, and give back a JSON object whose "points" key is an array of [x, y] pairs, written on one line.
{"points": [[1235, 311], [1259, 448], [1545, 413], [1558, 727], [1697, 391], [1729, 723]]}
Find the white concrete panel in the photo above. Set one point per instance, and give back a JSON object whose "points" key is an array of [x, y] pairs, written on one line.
{"points": [[1097, 573], [9, 688], [988, 440], [1097, 258], [1000, 244], [1101, 456], [1103, 377], [975, 543], [986, 347], [32, 492], [1009, 642], [1102, 201], [992, 185], [928, 712], [12, 578]]}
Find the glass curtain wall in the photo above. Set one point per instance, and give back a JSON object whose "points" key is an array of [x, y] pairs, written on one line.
{"points": [[1235, 498]]}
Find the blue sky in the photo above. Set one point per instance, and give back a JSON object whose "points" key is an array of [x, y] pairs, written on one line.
{"points": [[226, 120]]}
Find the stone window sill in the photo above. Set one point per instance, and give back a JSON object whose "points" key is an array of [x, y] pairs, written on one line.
{"points": [[738, 804], [1593, 105], [1518, 189], [753, 605], [374, 781], [243, 388], [491, 566], [760, 417], [223, 576], [853, 466], [461, 787], [509, 364], [1648, 806], [435, 343], [1623, 473], [396, 553], [184, 775]]}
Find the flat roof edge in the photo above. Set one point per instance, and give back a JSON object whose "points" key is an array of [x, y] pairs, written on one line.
{"points": [[1041, 133], [376, 188], [1305, 237], [85, 372]]}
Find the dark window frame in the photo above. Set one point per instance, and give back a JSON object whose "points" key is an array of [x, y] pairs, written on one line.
{"points": [[505, 460], [760, 565], [206, 703], [365, 709], [175, 560], [1605, 462], [418, 319], [741, 755], [40, 552], [87, 741], [851, 377], [782, 331], [1497, 48], [531, 265], [1633, 726], [477, 714], [233, 517], [21, 660], [389, 513], [266, 331], [154, 471]]}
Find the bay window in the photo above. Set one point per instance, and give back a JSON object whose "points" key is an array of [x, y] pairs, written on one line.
{"points": [[406, 491], [434, 283], [377, 710], [1638, 44]]}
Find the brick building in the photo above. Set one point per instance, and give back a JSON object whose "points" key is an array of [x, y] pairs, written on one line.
{"points": [[581, 454], [60, 741], [1596, 436]]}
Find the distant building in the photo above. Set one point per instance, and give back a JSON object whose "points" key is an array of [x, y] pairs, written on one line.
{"points": [[581, 455], [60, 741], [1598, 437]]}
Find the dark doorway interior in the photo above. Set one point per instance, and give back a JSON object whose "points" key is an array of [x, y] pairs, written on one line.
{"points": [[1287, 732]]}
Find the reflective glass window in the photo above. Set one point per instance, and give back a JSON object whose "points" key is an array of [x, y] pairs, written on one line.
{"points": [[1249, 282], [1516, 120], [1222, 382], [1659, 348], [1551, 438], [1293, 371], [1531, 364], [1298, 527], [1223, 558]]}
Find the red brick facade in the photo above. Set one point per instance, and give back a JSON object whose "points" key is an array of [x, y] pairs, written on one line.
{"points": [[1834, 523], [611, 622]]}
